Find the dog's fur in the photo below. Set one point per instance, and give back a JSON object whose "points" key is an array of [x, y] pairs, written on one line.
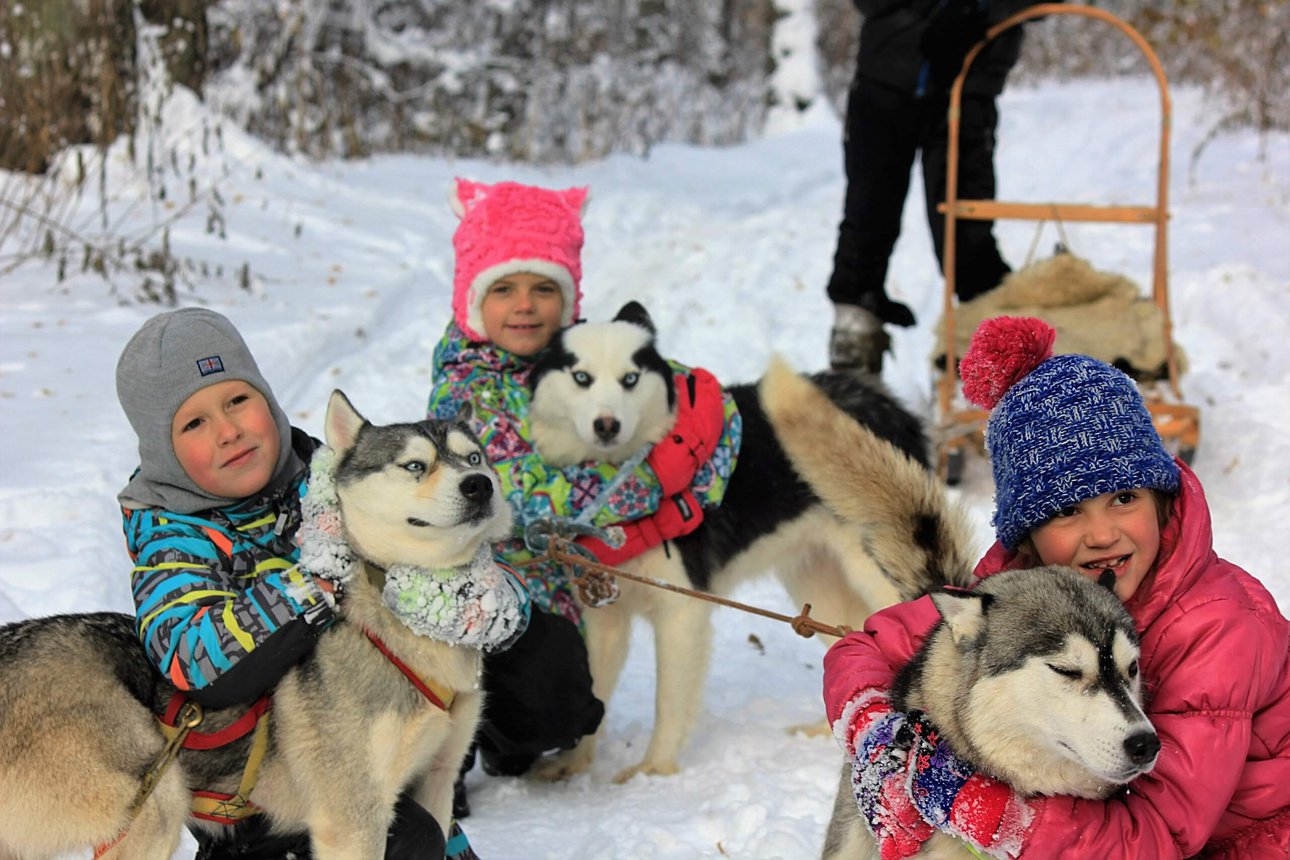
{"points": [[1032, 675], [348, 731], [598, 377]]}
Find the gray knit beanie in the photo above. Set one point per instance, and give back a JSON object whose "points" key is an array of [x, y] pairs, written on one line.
{"points": [[172, 356]]}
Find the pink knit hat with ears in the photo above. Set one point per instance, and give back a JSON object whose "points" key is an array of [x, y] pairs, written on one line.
{"points": [[509, 228]]}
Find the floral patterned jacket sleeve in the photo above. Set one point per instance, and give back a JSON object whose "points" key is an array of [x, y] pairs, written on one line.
{"points": [[495, 383]]}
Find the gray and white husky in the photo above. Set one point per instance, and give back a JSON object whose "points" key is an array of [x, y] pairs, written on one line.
{"points": [[348, 731], [602, 391], [1032, 675]]}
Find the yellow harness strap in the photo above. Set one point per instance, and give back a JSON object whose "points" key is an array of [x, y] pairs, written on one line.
{"points": [[229, 809]]}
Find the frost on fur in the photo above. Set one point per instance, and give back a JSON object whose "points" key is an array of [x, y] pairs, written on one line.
{"points": [[478, 605], [324, 551]]}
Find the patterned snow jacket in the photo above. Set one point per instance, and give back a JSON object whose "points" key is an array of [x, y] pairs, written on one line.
{"points": [[1216, 672], [495, 383], [222, 610]]}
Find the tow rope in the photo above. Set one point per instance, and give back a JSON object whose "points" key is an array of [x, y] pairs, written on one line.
{"points": [[594, 580]]}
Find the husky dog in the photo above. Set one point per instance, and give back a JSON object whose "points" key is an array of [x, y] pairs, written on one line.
{"points": [[603, 391], [348, 731], [1032, 676]]}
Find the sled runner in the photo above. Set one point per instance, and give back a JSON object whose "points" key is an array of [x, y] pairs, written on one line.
{"points": [[956, 425]]}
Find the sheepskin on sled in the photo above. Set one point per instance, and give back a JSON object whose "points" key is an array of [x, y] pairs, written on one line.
{"points": [[1101, 314]]}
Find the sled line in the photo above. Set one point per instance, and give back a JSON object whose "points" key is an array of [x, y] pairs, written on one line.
{"points": [[595, 579]]}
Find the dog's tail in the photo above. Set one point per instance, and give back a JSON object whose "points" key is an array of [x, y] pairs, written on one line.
{"points": [[916, 535]]}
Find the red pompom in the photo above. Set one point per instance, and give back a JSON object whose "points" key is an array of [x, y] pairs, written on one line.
{"points": [[1002, 351]]}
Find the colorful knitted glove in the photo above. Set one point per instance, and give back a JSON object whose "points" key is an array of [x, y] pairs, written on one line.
{"points": [[676, 516], [700, 421], [879, 779], [949, 793]]}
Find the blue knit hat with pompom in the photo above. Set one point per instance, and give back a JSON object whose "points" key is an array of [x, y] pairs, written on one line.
{"points": [[1064, 429]]}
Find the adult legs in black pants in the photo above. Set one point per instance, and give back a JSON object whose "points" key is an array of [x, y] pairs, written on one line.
{"points": [[978, 264], [885, 131]]}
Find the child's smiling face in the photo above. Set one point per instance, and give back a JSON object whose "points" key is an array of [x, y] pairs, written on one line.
{"points": [[1119, 532], [522, 312], [226, 440]]}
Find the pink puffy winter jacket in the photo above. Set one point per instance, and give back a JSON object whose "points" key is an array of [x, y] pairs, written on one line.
{"points": [[1216, 666]]}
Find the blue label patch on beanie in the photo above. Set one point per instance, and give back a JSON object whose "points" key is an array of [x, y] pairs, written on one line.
{"points": [[210, 364]]}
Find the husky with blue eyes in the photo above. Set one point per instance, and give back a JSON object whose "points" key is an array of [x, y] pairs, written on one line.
{"points": [[603, 392], [388, 701]]}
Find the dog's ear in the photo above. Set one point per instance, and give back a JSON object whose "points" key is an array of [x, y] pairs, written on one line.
{"points": [[635, 313], [341, 426], [465, 413], [963, 611]]}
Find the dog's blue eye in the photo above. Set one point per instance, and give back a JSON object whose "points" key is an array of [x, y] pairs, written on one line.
{"points": [[416, 467], [582, 378], [1066, 671], [475, 458], [630, 380]]}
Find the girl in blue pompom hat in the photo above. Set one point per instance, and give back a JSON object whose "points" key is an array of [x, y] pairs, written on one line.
{"points": [[1083, 480]]}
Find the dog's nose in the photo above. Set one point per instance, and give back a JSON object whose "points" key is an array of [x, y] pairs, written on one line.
{"points": [[1142, 747], [476, 488], [606, 428]]}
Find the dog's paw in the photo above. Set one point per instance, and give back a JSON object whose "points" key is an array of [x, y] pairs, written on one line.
{"points": [[665, 769], [561, 765]]}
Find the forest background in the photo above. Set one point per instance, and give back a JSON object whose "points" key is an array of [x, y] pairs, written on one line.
{"points": [[529, 81]]}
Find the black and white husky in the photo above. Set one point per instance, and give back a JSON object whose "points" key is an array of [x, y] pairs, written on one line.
{"points": [[602, 391]]}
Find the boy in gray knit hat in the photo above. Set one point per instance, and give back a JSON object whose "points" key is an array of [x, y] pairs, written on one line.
{"points": [[210, 518], [216, 453]]}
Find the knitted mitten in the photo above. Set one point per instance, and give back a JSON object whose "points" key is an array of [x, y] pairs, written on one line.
{"points": [[949, 794], [879, 780]]}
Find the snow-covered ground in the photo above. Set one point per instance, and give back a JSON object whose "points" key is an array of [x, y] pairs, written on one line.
{"points": [[729, 249]]}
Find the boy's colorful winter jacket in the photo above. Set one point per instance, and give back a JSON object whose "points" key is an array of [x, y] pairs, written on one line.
{"points": [[1216, 670], [495, 383], [223, 611]]}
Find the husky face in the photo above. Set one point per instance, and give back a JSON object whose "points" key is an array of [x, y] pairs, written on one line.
{"points": [[1051, 698], [602, 391], [414, 491]]}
